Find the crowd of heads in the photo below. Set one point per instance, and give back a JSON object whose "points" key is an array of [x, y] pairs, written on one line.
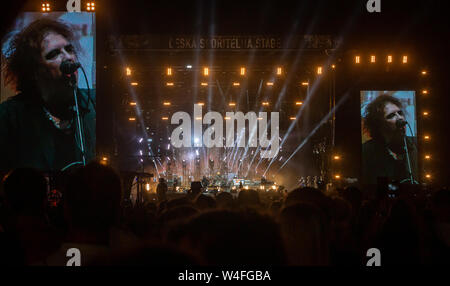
{"points": [[301, 227]]}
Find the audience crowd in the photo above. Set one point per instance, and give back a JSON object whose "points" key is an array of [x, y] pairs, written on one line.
{"points": [[300, 227]]}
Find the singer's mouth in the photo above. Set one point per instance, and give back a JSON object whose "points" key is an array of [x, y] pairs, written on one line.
{"points": [[69, 76]]}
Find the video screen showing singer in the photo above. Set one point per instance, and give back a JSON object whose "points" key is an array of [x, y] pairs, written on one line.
{"points": [[42, 125], [390, 148]]}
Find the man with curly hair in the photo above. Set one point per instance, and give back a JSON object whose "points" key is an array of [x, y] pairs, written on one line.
{"points": [[384, 155], [37, 125]]}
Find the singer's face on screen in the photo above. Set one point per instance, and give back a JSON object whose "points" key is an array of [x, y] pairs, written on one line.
{"points": [[55, 87], [54, 50], [392, 114]]}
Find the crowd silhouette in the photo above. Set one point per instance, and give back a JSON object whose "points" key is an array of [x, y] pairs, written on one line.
{"points": [[301, 227]]}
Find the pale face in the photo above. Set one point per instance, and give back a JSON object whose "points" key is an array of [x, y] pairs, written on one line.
{"points": [[392, 114], [56, 88], [54, 50]]}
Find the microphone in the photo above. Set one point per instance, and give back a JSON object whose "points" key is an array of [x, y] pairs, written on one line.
{"points": [[68, 67], [400, 123]]}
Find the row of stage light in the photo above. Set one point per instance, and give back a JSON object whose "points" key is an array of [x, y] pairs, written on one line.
{"points": [[47, 7], [242, 70], [426, 137], [206, 73], [279, 70], [231, 104], [235, 83], [373, 59]]}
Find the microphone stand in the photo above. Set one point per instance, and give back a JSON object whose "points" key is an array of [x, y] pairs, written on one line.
{"points": [[79, 126], [405, 147]]}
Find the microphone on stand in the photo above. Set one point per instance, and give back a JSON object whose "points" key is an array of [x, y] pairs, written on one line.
{"points": [[68, 67], [400, 123]]}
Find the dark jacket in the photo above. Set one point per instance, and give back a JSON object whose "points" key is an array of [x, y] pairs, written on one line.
{"points": [[377, 162], [29, 139]]}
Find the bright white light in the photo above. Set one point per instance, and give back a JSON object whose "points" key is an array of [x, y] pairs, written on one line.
{"points": [[196, 140], [140, 152], [196, 152], [140, 140], [188, 66]]}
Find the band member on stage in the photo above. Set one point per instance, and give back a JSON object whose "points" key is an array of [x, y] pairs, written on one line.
{"points": [[38, 127], [389, 153], [161, 190]]}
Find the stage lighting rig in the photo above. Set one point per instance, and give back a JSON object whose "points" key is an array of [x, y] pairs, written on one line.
{"points": [[279, 71], [90, 6], [45, 7]]}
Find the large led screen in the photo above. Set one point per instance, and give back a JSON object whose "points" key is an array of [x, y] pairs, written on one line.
{"points": [[47, 110], [389, 137]]}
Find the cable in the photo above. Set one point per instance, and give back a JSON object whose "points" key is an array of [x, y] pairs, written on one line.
{"points": [[412, 134], [70, 165], [79, 140], [88, 89]]}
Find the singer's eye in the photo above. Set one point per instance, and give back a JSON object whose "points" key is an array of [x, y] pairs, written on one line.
{"points": [[70, 49], [390, 115], [52, 54]]}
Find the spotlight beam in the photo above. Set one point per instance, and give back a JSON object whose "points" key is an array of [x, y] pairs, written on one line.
{"points": [[323, 121]]}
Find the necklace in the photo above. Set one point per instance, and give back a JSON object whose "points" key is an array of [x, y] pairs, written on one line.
{"points": [[59, 124]]}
